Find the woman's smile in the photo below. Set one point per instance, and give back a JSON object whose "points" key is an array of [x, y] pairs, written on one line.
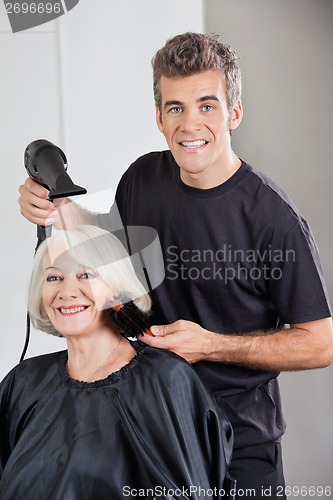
{"points": [[69, 311]]}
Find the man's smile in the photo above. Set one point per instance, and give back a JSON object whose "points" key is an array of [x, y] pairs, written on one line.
{"points": [[193, 144]]}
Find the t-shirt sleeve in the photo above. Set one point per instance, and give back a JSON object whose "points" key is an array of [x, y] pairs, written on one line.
{"points": [[296, 280]]}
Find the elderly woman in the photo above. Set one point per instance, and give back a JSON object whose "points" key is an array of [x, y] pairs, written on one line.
{"points": [[109, 417]]}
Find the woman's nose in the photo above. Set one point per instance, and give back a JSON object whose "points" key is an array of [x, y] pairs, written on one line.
{"points": [[69, 289]]}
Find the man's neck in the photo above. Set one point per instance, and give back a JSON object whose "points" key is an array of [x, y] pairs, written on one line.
{"points": [[213, 177]]}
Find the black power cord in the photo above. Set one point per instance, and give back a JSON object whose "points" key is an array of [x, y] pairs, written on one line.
{"points": [[46, 164]]}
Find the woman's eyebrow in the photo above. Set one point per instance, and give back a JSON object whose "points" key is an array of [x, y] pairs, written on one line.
{"points": [[81, 267]]}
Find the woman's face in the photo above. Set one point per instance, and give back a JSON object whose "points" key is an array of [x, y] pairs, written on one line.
{"points": [[74, 297]]}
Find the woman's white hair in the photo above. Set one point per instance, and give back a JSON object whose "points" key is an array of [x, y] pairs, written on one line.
{"points": [[94, 248]]}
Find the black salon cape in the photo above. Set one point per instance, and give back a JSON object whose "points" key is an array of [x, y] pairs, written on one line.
{"points": [[151, 427]]}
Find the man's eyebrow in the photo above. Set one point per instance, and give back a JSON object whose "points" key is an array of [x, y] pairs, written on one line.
{"points": [[172, 103], [201, 99], [208, 98]]}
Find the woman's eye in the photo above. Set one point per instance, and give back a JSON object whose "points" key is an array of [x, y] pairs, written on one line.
{"points": [[88, 275], [51, 278]]}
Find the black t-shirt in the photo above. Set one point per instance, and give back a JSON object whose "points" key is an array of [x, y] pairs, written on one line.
{"points": [[238, 258]]}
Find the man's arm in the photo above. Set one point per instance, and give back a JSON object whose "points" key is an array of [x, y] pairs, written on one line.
{"points": [[302, 346], [63, 213]]}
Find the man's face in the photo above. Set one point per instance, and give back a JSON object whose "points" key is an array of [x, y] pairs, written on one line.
{"points": [[196, 122]]}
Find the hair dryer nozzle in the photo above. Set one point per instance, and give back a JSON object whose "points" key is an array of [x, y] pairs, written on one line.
{"points": [[47, 165], [65, 187]]}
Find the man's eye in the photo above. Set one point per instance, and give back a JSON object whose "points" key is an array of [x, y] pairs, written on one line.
{"points": [[176, 110], [207, 107]]}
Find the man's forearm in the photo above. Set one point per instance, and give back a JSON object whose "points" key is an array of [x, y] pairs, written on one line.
{"points": [[297, 348]]}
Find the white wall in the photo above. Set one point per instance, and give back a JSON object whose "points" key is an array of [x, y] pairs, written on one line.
{"points": [[83, 82], [30, 109], [285, 49]]}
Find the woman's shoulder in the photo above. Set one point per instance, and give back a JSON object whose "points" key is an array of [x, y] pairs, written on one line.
{"points": [[41, 361], [162, 379], [165, 364], [33, 372]]}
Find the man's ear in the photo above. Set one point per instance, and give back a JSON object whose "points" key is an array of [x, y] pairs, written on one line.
{"points": [[159, 119], [236, 115]]}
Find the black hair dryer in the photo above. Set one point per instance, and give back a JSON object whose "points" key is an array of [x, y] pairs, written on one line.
{"points": [[47, 165]]}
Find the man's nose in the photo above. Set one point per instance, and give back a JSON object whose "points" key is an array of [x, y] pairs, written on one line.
{"points": [[191, 121]]}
